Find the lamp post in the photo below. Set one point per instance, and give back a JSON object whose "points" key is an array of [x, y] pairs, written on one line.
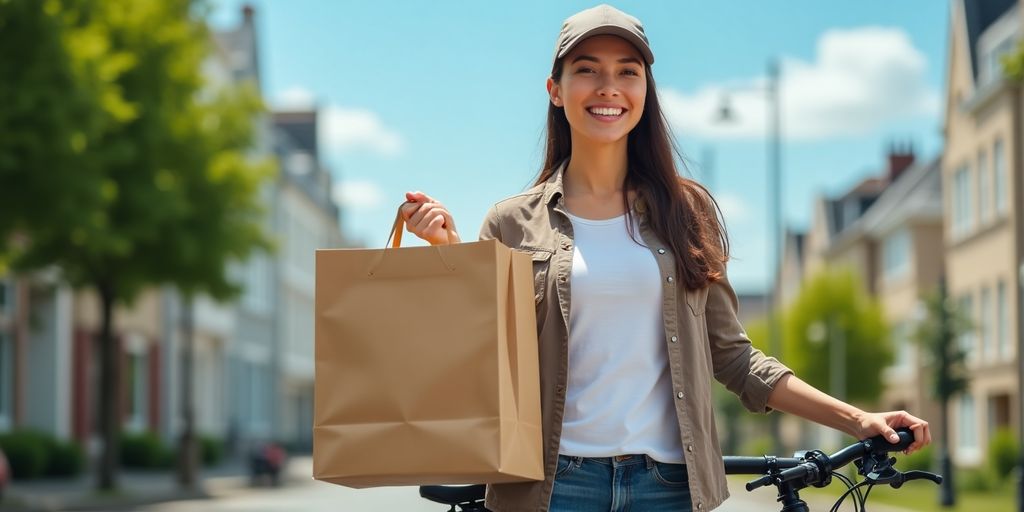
{"points": [[774, 165]]}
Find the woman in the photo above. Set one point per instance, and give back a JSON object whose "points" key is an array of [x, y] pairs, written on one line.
{"points": [[634, 310]]}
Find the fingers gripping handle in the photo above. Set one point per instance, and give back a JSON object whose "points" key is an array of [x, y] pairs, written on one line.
{"points": [[395, 241], [395, 238]]}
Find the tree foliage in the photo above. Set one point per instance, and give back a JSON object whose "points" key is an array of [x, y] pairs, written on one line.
{"points": [[119, 165], [831, 305], [938, 332]]}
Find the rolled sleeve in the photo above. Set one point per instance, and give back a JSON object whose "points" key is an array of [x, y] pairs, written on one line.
{"points": [[743, 369]]}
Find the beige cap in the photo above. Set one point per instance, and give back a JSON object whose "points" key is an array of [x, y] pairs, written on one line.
{"points": [[602, 20]]}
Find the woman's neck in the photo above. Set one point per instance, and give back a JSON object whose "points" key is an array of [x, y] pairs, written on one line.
{"points": [[596, 169]]}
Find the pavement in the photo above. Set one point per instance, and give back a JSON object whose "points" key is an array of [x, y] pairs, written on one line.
{"points": [[135, 489], [226, 489]]}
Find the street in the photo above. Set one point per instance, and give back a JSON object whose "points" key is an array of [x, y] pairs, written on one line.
{"points": [[313, 496]]}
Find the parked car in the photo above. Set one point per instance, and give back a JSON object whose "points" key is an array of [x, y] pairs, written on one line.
{"points": [[5, 474], [266, 461]]}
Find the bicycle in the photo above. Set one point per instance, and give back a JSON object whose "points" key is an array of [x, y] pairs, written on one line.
{"points": [[788, 474]]}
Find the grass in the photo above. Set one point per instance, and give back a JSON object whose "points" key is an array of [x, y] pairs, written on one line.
{"points": [[915, 496]]}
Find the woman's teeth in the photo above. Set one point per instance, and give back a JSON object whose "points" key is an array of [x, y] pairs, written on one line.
{"points": [[606, 111]]}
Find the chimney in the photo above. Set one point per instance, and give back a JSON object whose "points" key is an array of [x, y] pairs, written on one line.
{"points": [[900, 159], [247, 13]]}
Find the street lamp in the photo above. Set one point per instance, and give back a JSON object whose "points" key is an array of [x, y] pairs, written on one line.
{"points": [[774, 161]]}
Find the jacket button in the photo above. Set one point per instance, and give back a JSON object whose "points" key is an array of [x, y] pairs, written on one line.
{"points": [[661, 251], [680, 395], [674, 339], [670, 279], [689, 448], [700, 506], [566, 246]]}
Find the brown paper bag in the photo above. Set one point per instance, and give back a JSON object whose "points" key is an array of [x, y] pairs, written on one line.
{"points": [[426, 366]]}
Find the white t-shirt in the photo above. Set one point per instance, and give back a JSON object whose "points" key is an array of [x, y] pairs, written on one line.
{"points": [[619, 394]]}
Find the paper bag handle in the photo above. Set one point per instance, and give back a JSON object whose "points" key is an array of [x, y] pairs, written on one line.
{"points": [[399, 226], [396, 236]]}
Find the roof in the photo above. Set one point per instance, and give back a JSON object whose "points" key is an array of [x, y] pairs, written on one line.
{"points": [[301, 127], [917, 196], [978, 16]]}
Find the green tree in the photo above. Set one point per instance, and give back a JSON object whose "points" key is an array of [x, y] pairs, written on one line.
{"points": [[833, 316], [159, 188], [937, 332]]}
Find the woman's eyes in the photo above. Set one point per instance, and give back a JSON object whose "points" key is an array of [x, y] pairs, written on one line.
{"points": [[627, 71]]}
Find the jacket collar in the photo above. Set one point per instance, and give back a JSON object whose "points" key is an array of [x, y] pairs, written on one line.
{"points": [[553, 190], [553, 186]]}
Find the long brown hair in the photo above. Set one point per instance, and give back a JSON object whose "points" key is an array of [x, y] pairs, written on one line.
{"points": [[679, 210]]}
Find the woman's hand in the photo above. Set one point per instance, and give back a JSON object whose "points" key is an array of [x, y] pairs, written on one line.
{"points": [[428, 219], [795, 396], [874, 423]]}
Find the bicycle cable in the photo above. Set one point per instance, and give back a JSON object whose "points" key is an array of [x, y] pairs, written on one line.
{"points": [[839, 502], [859, 500]]}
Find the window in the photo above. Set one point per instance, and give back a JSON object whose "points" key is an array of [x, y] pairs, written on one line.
{"points": [[999, 168], [967, 342], [984, 188], [1002, 321], [967, 425], [988, 349], [896, 254], [963, 209], [6, 380], [137, 384], [992, 66], [902, 346], [257, 272]]}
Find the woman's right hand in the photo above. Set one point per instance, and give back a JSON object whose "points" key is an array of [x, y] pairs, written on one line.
{"points": [[428, 219]]}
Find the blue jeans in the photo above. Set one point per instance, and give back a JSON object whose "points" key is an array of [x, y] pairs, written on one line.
{"points": [[623, 483]]}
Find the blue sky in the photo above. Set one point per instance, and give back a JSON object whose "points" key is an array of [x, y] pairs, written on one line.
{"points": [[448, 97]]}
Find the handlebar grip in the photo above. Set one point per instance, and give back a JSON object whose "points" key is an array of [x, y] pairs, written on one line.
{"points": [[760, 482], [881, 443]]}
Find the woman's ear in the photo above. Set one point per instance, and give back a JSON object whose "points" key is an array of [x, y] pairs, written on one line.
{"points": [[554, 92]]}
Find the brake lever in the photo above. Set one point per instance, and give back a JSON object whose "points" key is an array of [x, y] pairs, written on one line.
{"points": [[915, 475], [879, 470]]}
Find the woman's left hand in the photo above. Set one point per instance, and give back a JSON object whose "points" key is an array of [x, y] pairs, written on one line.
{"points": [[874, 423]]}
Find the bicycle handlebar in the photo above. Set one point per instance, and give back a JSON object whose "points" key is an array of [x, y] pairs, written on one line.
{"points": [[816, 467]]}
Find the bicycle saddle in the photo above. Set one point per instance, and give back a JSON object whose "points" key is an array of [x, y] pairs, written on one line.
{"points": [[453, 495]]}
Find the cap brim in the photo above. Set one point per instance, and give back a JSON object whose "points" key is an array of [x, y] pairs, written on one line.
{"points": [[611, 30]]}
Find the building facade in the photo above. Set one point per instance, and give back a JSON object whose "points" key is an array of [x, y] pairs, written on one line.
{"points": [[981, 178]]}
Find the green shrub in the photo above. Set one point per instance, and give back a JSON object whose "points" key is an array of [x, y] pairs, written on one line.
{"points": [[1002, 453], [921, 460], [66, 459], [212, 450], [758, 446], [144, 450], [976, 480], [27, 452]]}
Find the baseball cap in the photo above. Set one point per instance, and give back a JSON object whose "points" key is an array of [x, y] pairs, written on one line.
{"points": [[602, 20]]}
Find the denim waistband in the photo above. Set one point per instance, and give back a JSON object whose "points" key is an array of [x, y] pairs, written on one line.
{"points": [[618, 460]]}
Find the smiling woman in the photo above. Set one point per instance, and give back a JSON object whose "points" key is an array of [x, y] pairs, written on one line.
{"points": [[635, 313]]}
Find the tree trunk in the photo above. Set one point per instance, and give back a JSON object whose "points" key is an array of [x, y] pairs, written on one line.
{"points": [[187, 448], [22, 289], [110, 393], [947, 496]]}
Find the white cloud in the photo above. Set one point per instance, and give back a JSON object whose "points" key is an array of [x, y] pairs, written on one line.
{"points": [[861, 79], [357, 194], [733, 207], [344, 130], [295, 98]]}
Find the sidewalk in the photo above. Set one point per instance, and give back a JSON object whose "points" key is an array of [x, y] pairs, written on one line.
{"points": [[136, 488]]}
